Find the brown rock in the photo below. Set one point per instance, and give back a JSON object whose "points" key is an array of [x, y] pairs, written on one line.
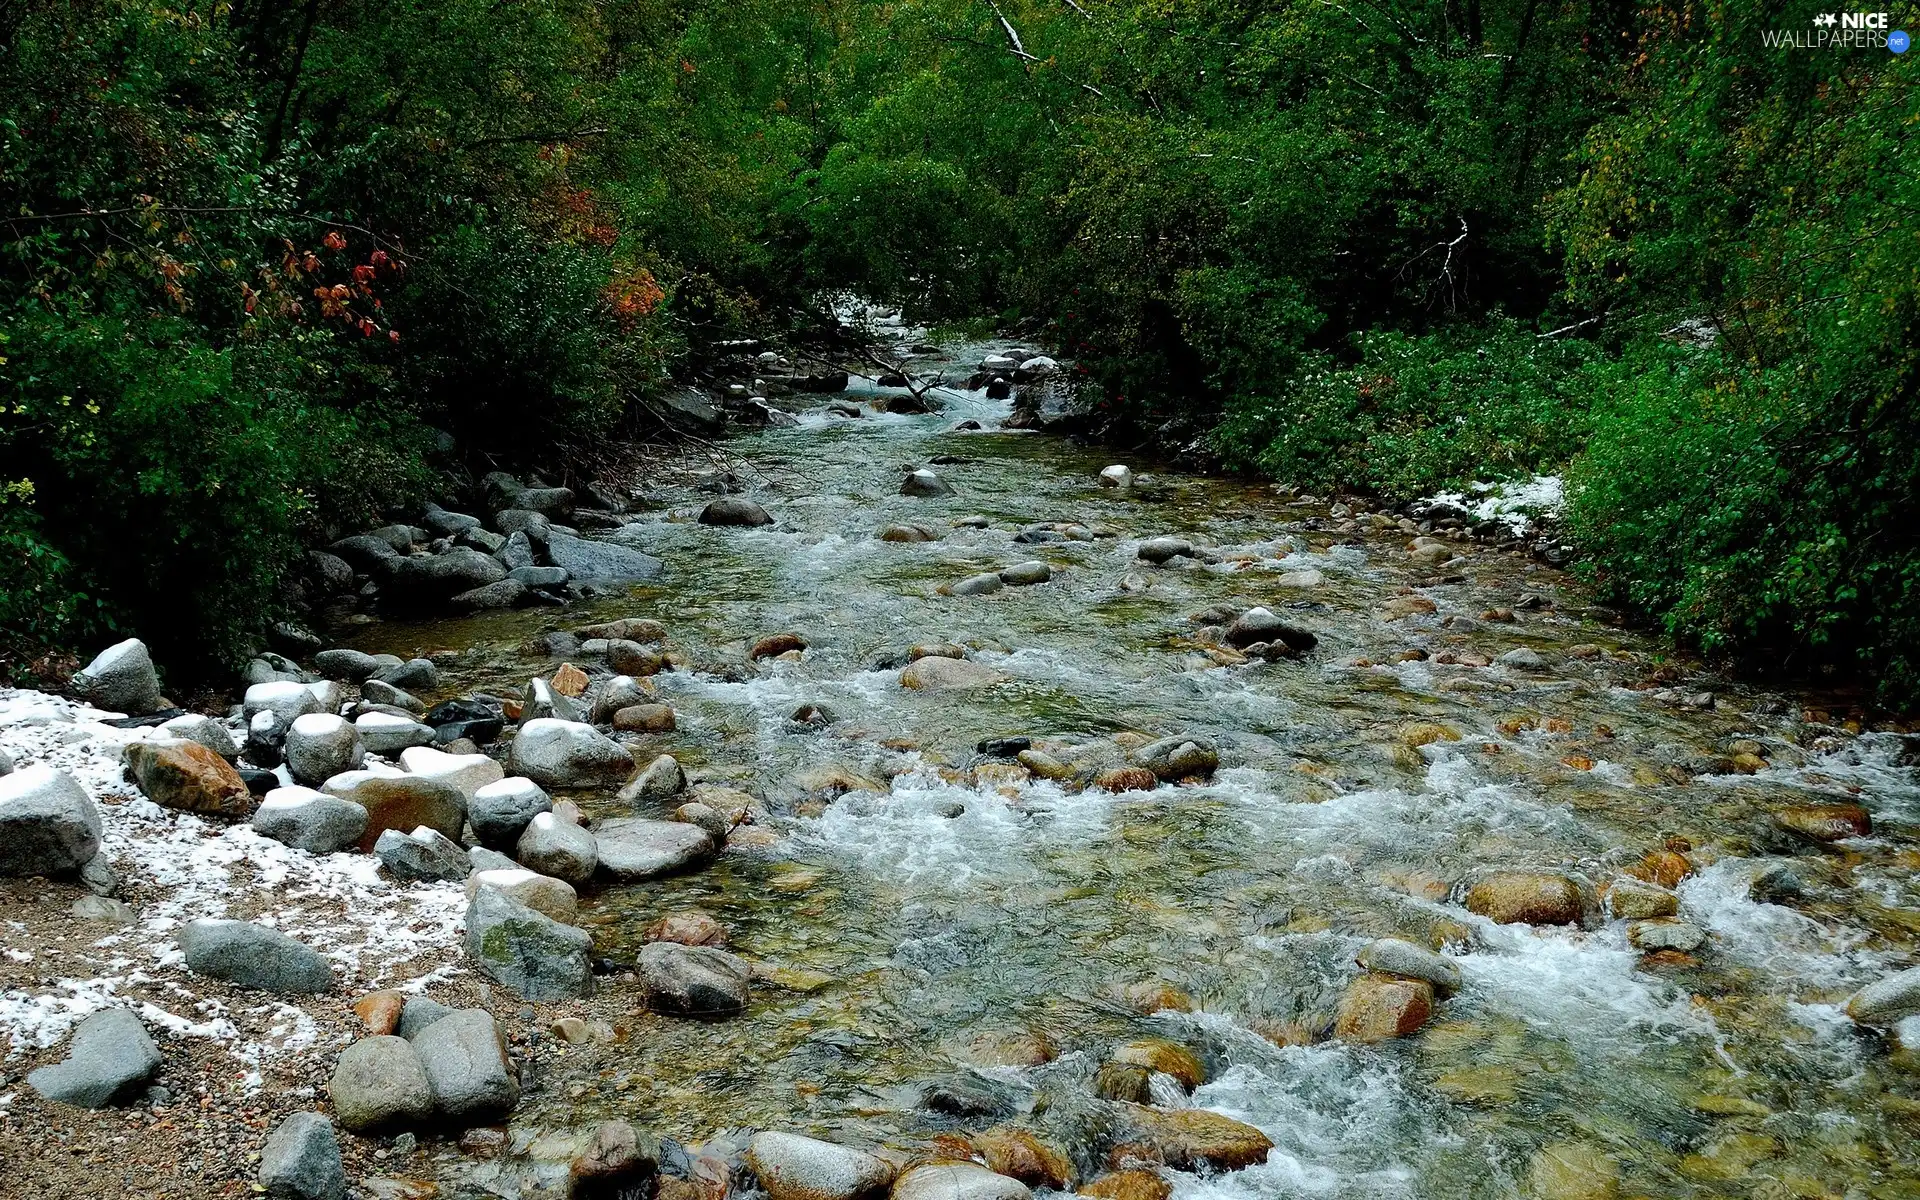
{"points": [[907, 533], [404, 802], [935, 650], [1405, 606], [1127, 779], [1525, 897], [1825, 822], [630, 658], [626, 629], [688, 929], [569, 680], [1190, 1139], [776, 644], [1638, 900], [616, 1152], [1011, 1048], [645, 718], [1129, 1185], [188, 776], [379, 1012], [1021, 1154], [1378, 1007], [947, 674], [1150, 996], [1664, 867], [1123, 1081], [1168, 1058]]}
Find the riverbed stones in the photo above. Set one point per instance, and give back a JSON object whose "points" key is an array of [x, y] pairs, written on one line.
{"points": [[1651, 937], [1026, 574], [907, 534], [254, 956], [320, 746], [1887, 1002], [636, 848], [1181, 756], [380, 1084], [1191, 1139], [936, 674], [557, 754], [1522, 658], [1526, 898], [984, 584], [645, 718], [792, 1167], [197, 727], [423, 856], [109, 1059], [301, 1161], [464, 1056], [542, 893], [184, 775], [387, 734], [500, 811], [527, 952], [542, 700], [776, 644], [688, 929], [1392, 956], [1377, 1007], [957, 1181], [466, 772], [401, 802], [348, 666], [1131, 1183], [309, 820], [48, 823], [1825, 822], [1119, 475], [658, 780], [1162, 550], [734, 510], [1572, 1171], [1261, 625], [1165, 1057], [121, 679], [600, 562], [559, 849], [1024, 1155], [418, 580], [693, 981], [1638, 900], [922, 482]]}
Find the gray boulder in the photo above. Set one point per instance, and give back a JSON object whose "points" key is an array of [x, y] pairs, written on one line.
{"points": [[379, 1084], [517, 551], [364, 551], [533, 525], [320, 745], [401, 802], [530, 954], [734, 510], [308, 820], [958, 1181], [286, 700], [1261, 625], [374, 691], [210, 733], [1179, 756], [1392, 956], [121, 678], [504, 594], [557, 754], [600, 562], [484, 860], [538, 577], [465, 1057], [418, 1013], [414, 673], [618, 692], [110, 1058], [984, 584], [1886, 1002], [792, 1167], [348, 666], [635, 848], [448, 524], [1164, 549], [253, 956], [540, 700], [385, 733], [432, 578], [301, 1160], [1522, 658], [1026, 574], [558, 848], [551, 503], [924, 483], [423, 856], [48, 823], [6, 763], [501, 811], [693, 981], [658, 780]]}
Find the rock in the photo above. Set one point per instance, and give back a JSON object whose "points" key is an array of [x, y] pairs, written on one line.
{"points": [[539, 577], [189, 777], [1777, 883], [1116, 476], [644, 718], [425, 855], [373, 691], [416, 581], [983, 584], [552, 503], [631, 658], [600, 562], [286, 700], [1571, 1171], [418, 1013], [365, 552], [1178, 757], [957, 1181], [1887, 1002], [1126, 779], [1191, 1139], [1260, 625], [301, 1161], [688, 929], [618, 1152], [253, 956], [924, 483], [48, 823], [1825, 822], [402, 802], [309, 820], [465, 1059], [791, 1167], [706, 817], [776, 644], [1378, 1007], [504, 594], [500, 811], [348, 666], [1129, 1184], [555, 753], [1651, 937], [618, 692], [265, 734], [631, 629], [1401, 607], [1523, 897], [418, 673], [530, 954], [467, 772], [1636, 899], [1162, 550], [907, 533], [104, 909], [734, 510], [386, 734], [635, 848], [934, 674], [379, 1083], [320, 746], [542, 893], [1026, 574], [693, 981], [121, 679], [194, 727], [379, 1012], [110, 1058], [1391, 956], [1021, 1154], [447, 524], [658, 780], [558, 849], [332, 573], [1522, 659], [541, 701], [1165, 1057]]}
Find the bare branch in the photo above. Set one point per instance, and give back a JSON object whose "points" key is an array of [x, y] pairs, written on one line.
{"points": [[1013, 35]]}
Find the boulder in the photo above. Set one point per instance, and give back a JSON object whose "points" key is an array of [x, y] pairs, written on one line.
{"points": [[1526, 897], [1164, 549], [693, 981], [402, 802], [631, 658], [378, 1084], [1260, 625], [418, 673], [1638, 900], [776, 644], [387, 734], [618, 692], [936, 674], [121, 679], [373, 691], [1021, 1154], [1116, 476], [1026, 574], [552, 503], [600, 562], [418, 1013], [658, 780], [500, 811], [109, 1059], [1887, 1002], [466, 772], [635, 848], [423, 856], [1178, 757], [541, 893], [618, 1154], [538, 577], [924, 483], [48, 823], [447, 524], [558, 754], [364, 552], [957, 1181], [1522, 658], [792, 1167], [301, 1161], [1193, 1139], [1165, 1057], [286, 700], [525, 951], [645, 718], [187, 776], [688, 929], [320, 745], [559, 849], [1377, 1007], [1651, 937], [413, 581], [907, 533], [1391, 956], [1825, 822], [348, 666], [1130, 1183], [984, 584], [309, 820], [734, 510], [194, 727], [464, 1056], [506, 593], [630, 629], [253, 956]]}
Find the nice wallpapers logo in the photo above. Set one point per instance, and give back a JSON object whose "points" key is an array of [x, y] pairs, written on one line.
{"points": [[1842, 31]]}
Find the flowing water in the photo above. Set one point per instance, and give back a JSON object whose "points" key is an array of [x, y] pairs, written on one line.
{"points": [[915, 926]]}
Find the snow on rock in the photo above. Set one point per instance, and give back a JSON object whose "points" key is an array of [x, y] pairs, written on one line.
{"points": [[1515, 503]]}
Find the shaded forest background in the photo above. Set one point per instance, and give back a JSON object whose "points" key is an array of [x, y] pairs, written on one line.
{"points": [[273, 267]]}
